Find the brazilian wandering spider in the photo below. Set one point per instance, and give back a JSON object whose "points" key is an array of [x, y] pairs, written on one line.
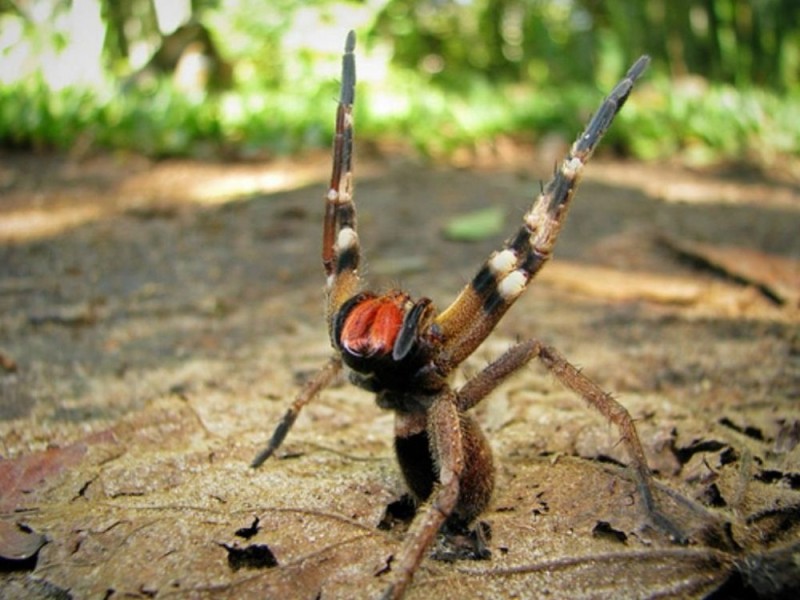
{"points": [[404, 350]]}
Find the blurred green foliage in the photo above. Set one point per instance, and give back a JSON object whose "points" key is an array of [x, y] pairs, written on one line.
{"points": [[440, 74]]}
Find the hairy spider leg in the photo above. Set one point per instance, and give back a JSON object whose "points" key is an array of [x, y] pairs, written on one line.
{"points": [[310, 390], [477, 388], [506, 273], [340, 246], [444, 430]]}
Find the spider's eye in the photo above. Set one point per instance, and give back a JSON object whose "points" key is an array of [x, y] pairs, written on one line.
{"points": [[371, 327]]}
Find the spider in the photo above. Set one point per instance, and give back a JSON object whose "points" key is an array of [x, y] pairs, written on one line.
{"points": [[404, 350]]}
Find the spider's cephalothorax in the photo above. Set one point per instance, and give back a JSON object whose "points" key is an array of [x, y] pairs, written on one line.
{"points": [[404, 350]]}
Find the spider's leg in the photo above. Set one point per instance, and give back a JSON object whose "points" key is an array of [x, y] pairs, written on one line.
{"points": [[313, 386], [340, 246], [482, 384], [520, 354], [571, 377], [444, 431], [506, 274]]}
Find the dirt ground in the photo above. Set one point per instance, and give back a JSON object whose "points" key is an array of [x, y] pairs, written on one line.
{"points": [[156, 319]]}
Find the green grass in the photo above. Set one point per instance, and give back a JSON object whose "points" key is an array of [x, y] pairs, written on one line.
{"points": [[713, 123]]}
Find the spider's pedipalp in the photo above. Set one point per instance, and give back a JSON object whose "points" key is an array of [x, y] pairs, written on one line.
{"points": [[506, 273]]}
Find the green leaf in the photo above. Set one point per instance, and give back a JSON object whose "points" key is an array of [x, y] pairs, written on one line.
{"points": [[475, 226]]}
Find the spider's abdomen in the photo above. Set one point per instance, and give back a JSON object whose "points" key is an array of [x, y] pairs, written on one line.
{"points": [[418, 464]]}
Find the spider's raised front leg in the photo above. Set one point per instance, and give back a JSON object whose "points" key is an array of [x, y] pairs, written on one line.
{"points": [[341, 253], [506, 274]]}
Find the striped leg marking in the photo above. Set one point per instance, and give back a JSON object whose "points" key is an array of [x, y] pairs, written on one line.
{"points": [[341, 252], [507, 273]]}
